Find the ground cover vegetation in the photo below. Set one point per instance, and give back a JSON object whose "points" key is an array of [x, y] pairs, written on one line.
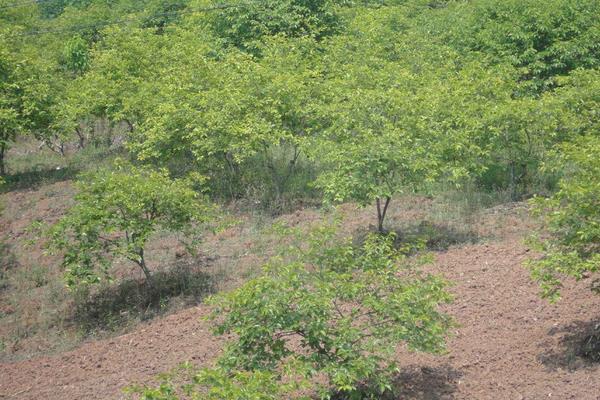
{"points": [[269, 106]]}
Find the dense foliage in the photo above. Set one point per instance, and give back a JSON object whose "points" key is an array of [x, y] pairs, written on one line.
{"points": [[282, 102], [245, 91], [571, 240], [543, 40], [244, 26]]}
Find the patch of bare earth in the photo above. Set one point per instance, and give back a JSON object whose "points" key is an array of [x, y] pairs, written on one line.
{"points": [[509, 343]]}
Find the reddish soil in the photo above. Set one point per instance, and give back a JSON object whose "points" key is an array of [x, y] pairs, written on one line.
{"points": [[509, 344]]}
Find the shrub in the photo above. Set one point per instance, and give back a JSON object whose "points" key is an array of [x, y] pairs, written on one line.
{"points": [[328, 312], [543, 42], [116, 213], [571, 219], [335, 310]]}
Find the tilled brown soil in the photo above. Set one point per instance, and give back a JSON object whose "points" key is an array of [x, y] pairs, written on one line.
{"points": [[509, 344]]}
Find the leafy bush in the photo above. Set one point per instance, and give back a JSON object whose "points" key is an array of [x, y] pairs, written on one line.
{"points": [[336, 310], [328, 312], [116, 213], [76, 55], [571, 219], [374, 167]]}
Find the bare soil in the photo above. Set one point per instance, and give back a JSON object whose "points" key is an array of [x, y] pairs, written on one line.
{"points": [[509, 343]]}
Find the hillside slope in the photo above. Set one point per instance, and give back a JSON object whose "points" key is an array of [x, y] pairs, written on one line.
{"points": [[509, 344]]}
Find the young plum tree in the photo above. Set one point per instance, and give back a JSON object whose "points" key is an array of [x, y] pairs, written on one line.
{"points": [[334, 309], [374, 150], [115, 214]]}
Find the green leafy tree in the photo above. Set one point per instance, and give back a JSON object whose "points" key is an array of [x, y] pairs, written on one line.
{"points": [[244, 24], [373, 147], [578, 99], [116, 212], [542, 42], [247, 110], [10, 103], [570, 241], [518, 133], [36, 75], [334, 310], [373, 168], [397, 113]]}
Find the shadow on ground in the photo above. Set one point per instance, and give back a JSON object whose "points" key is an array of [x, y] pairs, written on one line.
{"points": [[424, 383], [421, 383], [36, 177], [435, 236], [8, 261], [111, 307], [579, 347], [430, 235]]}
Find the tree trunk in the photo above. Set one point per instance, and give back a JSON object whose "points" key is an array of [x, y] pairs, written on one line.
{"points": [[142, 263], [129, 125], [81, 137], [381, 212], [512, 185], [2, 165], [234, 171]]}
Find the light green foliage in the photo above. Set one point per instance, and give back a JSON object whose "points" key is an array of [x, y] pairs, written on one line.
{"points": [[578, 100], [396, 117], [242, 385], [336, 310], [518, 132], [25, 97], [110, 87], [192, 100], [375, 166], [116, 213], [570, 241], [31, 68], [223, 119], [230, 110]]}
